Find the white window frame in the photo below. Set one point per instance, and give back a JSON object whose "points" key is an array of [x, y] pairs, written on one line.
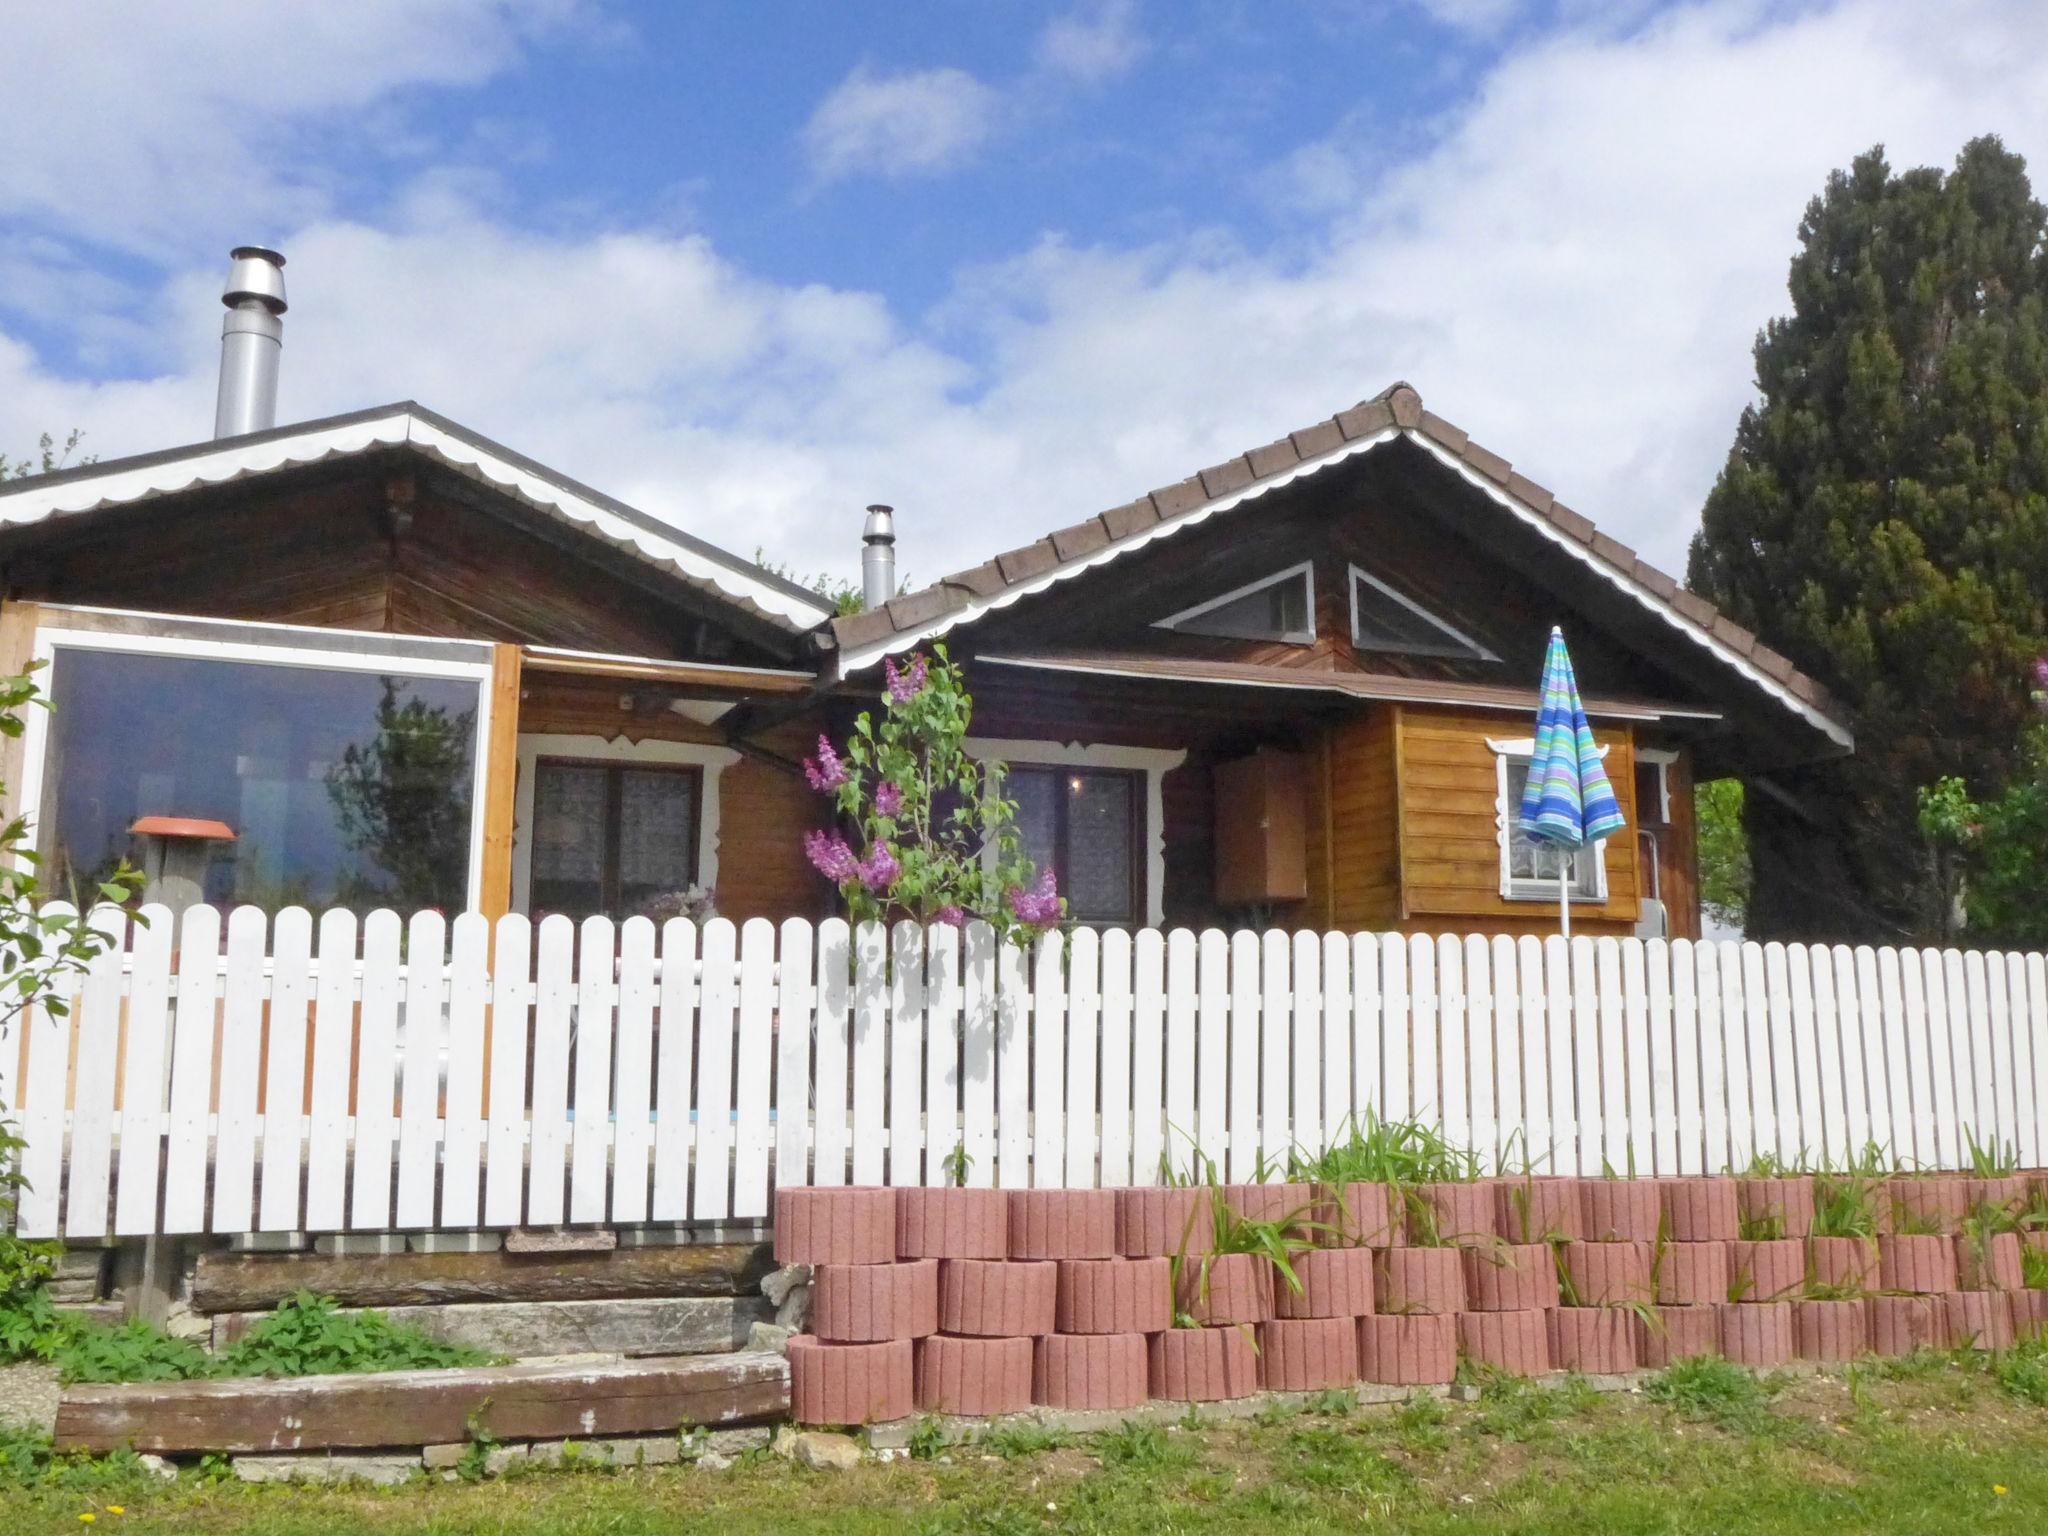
{"points": [[302, 649], [1305, 569], [1464, 644], [1523, 888], [652, 752], [1154, 762]]}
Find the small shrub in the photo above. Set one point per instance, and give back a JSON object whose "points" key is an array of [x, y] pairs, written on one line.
{"points": [[130, 1351], [927, 1439], [2023, 1371], [309, 1336], [1025, 1438], [1712, 1389], [1143, 1448], [1334, 1402]]}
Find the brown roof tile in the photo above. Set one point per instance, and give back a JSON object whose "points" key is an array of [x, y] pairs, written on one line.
{"points": [[1527, 490], [1664, 586], [1406, 405], [1434, 426], [1275, 458], [1489, 464], [1613, 551], [983, 580], [1081, 539], [866, 628], [1132, 517], [1693, 606], [1733, 635], [1181, 496], [1027, 562], [1229, 476], [1772, 663], [1365, 418], [1324, 437], [924, 605], [1580, 528]]}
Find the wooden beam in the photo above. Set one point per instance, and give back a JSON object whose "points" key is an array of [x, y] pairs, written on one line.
{"points": [[407, 1408], [228, 1282], [753, 680], [501, 774]]}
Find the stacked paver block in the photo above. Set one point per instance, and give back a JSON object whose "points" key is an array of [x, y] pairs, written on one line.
{"points": [[866, 1374]]}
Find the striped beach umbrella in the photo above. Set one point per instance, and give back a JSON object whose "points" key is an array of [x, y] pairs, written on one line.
{"points": [[1566, 800]]}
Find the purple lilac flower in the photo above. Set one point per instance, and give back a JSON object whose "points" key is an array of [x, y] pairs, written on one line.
{"points": [[888, 799], [909, 682], [1040, 905], [834, 860], [825, 771], [952, 917], [879, 869]]}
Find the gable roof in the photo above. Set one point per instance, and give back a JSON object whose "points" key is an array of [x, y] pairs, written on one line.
{"points": [[224, 461], [1396, 413]]}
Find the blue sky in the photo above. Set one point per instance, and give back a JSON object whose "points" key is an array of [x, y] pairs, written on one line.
{"points": [[1002, 264]]}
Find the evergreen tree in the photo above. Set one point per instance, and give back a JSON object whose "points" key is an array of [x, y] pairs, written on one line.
{"points": [[1883, 520]]}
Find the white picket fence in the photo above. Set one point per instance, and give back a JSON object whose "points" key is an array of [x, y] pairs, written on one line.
{"points": [[380, 1075]]}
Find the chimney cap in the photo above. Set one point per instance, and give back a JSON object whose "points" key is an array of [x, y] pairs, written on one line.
{"points": [[881, 524], [257, 272]]}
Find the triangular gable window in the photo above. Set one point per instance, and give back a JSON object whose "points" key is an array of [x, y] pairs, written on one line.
{"points": [[1281, 606], [1384, 620]]}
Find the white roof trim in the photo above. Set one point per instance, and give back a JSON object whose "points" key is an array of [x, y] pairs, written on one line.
{"points": [[853, 661], [233, 460]]}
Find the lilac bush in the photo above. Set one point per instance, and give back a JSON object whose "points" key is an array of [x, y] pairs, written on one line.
{"points": [[925, 830]]}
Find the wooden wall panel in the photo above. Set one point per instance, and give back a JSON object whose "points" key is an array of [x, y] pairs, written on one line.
{"points": [[1355, 849], [1450, 851]]}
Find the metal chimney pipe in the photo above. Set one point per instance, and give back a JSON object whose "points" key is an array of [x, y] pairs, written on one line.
{"points": [[878, 556], [251, 338]]}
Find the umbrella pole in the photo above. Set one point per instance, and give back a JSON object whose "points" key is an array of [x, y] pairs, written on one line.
{"points": [[1564, 894]]}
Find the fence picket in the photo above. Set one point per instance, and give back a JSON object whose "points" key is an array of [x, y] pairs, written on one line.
{"points": [[1241, 1144], [145, 1072], [1686, 1087], [1898, 1070], [870, 1055], [1855, 1070], [1368, 1092], [1207, 1000], [1454, 1093], [189, 1146], [419, 1105], [241, 1042], [1048, 1063], [717, 999], [633, 1129], [1637, 1051], [1791, 1140], [1591, 1099], [754, 1067], [1763, 1108], [2004, 1108], [462, 1137], [675, 1064], [1614, 1119], [284, 1087], [795, 998], [1013, 1069], [1956, 1016], [511, 1002], [1083, 1041], [376, 1074], [1276, 991], [1305, 1124], [1719, 1147], [1158, 1091], [941, 1052], [1562, 1148], [334, 1029], [1118, 1109], [1396, 1081], [830, 1134], [1336, 1043], [2034, 1102], [1425, 1028], [1919, 1040], [1740, 1067], [1663, 1080], [1180, 1135], [95, 1026], [1482, 1050], [1805, 1054], [978, 1053], [41, 1167], [906, 1054], [554, 1010]]}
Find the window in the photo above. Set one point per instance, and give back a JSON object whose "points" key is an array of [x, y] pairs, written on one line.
{"points": [[341, 779], [1529, 869], [1277, 607], [611, 838], [1083, 824], [1382, 619]]}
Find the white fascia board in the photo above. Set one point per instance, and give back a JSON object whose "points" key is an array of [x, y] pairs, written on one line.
{"points": [[1692, 631], [851, 662]]}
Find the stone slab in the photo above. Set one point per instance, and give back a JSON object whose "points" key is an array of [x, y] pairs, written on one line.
{"points": [[635, 1326]]}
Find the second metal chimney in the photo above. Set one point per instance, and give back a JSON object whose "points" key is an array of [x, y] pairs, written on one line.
{"points": [[251, 339], [878, 557]]}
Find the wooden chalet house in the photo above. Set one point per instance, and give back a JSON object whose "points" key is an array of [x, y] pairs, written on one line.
{"points": [[377, 659]]}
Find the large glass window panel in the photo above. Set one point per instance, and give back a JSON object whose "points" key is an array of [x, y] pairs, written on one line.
{"points": [[1275, 609], [342, 788], [1384, 620]]}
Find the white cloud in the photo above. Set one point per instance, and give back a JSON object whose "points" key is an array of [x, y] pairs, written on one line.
{"points": [[1095, 43], [912, 124], [1573, 272]]}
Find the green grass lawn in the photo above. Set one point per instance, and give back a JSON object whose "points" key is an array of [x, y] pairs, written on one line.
{"points": [[1934, 1445]]}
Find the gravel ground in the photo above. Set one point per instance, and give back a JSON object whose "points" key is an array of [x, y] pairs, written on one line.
{"points": [[28, 1395]]}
